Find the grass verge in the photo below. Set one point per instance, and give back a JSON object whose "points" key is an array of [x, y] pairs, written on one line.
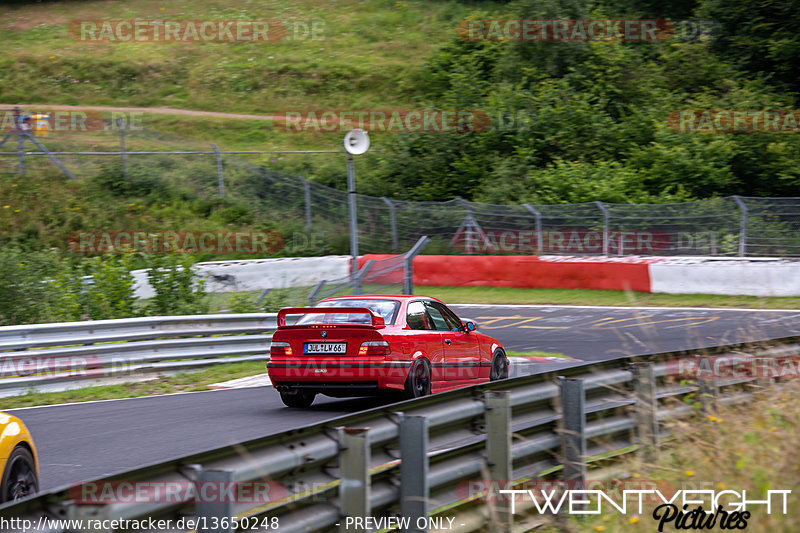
{"points": [[245, 301], [512, 353], [360, 55], [750, 447], [187, 382], [507, 295]]}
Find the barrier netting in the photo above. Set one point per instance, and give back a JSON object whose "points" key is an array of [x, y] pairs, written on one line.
{"points": [[317, 215]]}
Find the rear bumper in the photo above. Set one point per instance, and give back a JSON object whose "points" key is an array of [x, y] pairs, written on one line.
{"points": [[337, 389], [337, 376]]}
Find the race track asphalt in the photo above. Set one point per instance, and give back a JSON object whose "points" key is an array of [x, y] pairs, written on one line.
{"points": [[85, 441]]}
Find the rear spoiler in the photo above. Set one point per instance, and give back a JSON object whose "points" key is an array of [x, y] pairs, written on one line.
{"points": [[377, 320]]}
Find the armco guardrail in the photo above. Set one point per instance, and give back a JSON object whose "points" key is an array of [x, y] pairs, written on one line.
{"points": [[416, 459], [49, 357]]}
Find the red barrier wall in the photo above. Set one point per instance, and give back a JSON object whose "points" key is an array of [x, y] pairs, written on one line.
{"points": [[525, 272]]}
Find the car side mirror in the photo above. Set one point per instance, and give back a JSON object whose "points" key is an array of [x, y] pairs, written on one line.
{"points": [[470, 325]]}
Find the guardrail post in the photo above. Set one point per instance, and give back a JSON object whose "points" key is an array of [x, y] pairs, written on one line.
{"points": [[606, 226], [354, 486], [742, 226], [645, 410], [573, 431], [498, 456], [414, 488], [91, 515], [763, 380], [708, 390], [392, 222], [216, 516]]}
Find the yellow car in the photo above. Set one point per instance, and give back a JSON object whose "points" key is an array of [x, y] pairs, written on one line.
{"points": [[18, 461]]}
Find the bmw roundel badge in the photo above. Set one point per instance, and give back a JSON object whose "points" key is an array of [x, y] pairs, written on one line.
{"points": [[324, 333]]}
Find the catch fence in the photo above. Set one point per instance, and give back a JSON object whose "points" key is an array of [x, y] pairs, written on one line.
{"points": [[314, 216]]}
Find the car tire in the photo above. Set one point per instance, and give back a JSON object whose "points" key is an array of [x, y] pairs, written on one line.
{"points": [[499, 366], [298, 398], [19, 477], [418, 382]]}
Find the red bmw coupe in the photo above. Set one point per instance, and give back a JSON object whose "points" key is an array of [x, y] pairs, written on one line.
{"points": [[365, 345]]}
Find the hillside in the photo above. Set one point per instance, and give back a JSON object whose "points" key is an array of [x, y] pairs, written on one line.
{"points": [[345, 53], [566, 122]]}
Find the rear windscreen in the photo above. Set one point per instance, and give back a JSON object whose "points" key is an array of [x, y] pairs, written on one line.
{"points": [[385, 308]]}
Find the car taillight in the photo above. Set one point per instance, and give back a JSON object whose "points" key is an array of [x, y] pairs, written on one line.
{"points": [[374, 348], [280, 348]]}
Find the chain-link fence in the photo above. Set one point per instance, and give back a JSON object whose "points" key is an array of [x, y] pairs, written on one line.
{"points": [[317, 214]]}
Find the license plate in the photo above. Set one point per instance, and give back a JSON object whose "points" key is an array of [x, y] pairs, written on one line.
{"points": [[325, 347]]}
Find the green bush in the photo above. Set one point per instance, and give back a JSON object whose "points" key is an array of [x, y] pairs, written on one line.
{"points": [[241, 302], [178, 292], [26, 296]]}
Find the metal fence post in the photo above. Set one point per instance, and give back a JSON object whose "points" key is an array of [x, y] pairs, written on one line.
{"points": [[606, 226], [354, 486], [498, 455], [408, 264], [645, 410], [20, 145], [539, 237], [468, 224], [358, 279], [121, 129], [742, 226], [392, 222], [216, 515], [414, 488], [307, 200], [219, 170], [313, 295], [351, 207], [408, 275], [573, 432]]}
